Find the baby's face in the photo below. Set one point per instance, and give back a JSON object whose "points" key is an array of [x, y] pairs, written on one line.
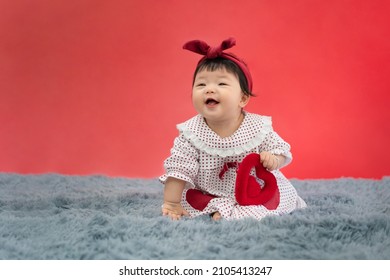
{"points": [[217, 95]]}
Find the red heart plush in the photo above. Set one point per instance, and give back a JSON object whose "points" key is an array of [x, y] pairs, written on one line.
{"points": [[249, 191]]}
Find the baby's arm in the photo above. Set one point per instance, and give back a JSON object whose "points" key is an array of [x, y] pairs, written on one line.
{"points": [[172, 196], [275, 152]]}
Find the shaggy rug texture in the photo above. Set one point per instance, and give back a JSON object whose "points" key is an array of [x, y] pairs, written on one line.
{"points": [[54, 216]]}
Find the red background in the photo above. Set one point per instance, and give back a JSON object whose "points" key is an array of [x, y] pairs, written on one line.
{"points": [[91, 86]]}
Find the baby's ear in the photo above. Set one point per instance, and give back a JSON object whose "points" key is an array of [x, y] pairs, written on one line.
{"points": [[244, 100]]}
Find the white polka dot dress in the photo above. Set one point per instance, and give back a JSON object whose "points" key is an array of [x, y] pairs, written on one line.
{"points": [[199, 155]]}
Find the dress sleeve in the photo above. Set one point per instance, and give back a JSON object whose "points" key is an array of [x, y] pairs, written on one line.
{"points": [[183, 162], [274, 144]]}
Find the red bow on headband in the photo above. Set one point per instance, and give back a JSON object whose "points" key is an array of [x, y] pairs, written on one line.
{"points": [[203, 48]]}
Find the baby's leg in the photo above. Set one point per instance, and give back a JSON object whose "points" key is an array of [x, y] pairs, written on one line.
{"points": [[216, 216]]}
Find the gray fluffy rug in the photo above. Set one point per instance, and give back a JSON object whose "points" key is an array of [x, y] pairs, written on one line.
{"points": [[96, 217]]}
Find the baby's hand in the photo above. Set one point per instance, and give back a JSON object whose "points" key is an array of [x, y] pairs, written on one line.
{"points": [[173, 210], [269, 161]]}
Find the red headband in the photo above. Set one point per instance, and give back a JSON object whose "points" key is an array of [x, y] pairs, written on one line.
{"points": [[203, 48]]}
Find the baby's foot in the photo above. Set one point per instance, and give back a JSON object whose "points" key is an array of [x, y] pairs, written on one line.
{"points": [[216, 216]]}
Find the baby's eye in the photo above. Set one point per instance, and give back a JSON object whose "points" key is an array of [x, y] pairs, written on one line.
{"points": [[223, 84], [200, 85]]}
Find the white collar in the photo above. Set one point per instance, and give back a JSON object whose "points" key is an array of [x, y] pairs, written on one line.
{"points": [[249, 135]]}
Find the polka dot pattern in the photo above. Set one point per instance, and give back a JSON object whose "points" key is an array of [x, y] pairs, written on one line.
{"points": [[199, 154]]}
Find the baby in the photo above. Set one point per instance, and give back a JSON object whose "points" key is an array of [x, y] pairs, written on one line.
{"points": [[202, 171]]}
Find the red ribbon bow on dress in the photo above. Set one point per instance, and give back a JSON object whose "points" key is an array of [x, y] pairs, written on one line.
{"points": [[225, 168]]}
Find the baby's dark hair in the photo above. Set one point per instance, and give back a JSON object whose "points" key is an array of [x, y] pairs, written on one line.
{"points": [[212, 64]]}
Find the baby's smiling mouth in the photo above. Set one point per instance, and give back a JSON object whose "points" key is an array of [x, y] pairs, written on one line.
{"points": [[211, 101]]}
